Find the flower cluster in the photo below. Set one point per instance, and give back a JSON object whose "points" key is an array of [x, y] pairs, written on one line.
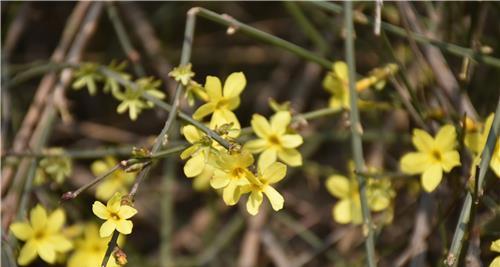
{"points": [[233, 171], [55, 168]]}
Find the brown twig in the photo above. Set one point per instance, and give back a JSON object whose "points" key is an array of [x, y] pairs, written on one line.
{"points": [[251, 240]]}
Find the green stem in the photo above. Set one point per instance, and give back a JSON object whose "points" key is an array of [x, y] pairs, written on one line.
{"points": [[356, 130], [467, 212], [447, 47], [232, 23]]}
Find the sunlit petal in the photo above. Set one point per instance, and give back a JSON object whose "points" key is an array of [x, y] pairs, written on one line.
{"points": [[234, 84], [274, 197], [432, 177]]}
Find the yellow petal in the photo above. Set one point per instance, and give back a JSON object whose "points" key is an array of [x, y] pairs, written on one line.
{"points": [[256, 146], [230, 195], [253, 202], [280, 121], [415, 162], [341, 70], [126, 212], [260, 126], [244, 159], [342, 211], [432, 177], [378, 202], [495, 262], [224, 116], [28, 253], [274, 197], [339, 186], [422, 140], [107, 229], [495, 245], [189, 151], [213, 87], [495, 160], [22, 231], [56, 220], [220, 179], [106, 189], [267, 158], [274, 172], [47, 252], [232, 103], [100, 210], [290, 156], [124, 226], [60, 243], [203, 111], [234, 84], [99, 167], [114, 203], [473, 142], [449, 160], [291, 140], [446, 138], [194, 166], [191, 134], [38, 217]]}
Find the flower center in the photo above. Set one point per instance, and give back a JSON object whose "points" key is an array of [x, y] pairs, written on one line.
{"points": [[436, 155], [237, 172], [39, 235], [220, 104], [115, 216], [273, 139]]}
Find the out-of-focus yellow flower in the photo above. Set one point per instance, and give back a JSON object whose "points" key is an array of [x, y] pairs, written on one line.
{"points": [[116, 216], [87, 76], [42, 236], [495, 246], [118, 181], [221, 101], [200, 151], [90, 249], [231, 173], [274, 141], [476, 140], [379, 194], [337, 83], [182, 74], [54, 168], [261, 184], [433, 156], [132, 100]]}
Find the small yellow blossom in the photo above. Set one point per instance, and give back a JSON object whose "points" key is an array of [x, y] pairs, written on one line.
{"points": [[90, 249], [182, 74], [260, 185], [87, 76], [116, 216], [433, 156], [274, 141], [42, 236], [118, 181], [495, 246], [132, 100], [222, 101], [230, 174], [337, 83], [200, 151], [54, 168], [475, 141]]}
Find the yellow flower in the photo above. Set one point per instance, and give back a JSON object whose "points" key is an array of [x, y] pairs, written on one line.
{"points": [[261, 185], [230, 174], [221, 101], [274, 140], [118, 181], [475, 141], [379, 194], [199, 151], [182, 74], [116, 216], [132, 100], [433, 156], [56, 168], [42, 235], [495, 246], [90, 249], [337, 83]]}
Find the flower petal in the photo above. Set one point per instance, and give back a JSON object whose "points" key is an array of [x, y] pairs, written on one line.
{"points": [[234, 84], [38, 217], [473, 142], [339, 186], [60, 243], [213, 87], [56, 220], [126, 212], [191, 134], [107, 229], [274, 197], [203, 111], [47, 252], [280, 121], [21, 230], [290, 156], [230, 195], [340, 69], [256, 146], [446, 138], [422, 140], [415, 162], [194, 166], [124, 226], [99, 167], [253, 202], [233, 103], [28, 253], [275, 172], [449, 160], [267, 158], [219, 180], [100, 210], [432, 177], [260, 126], [291, 140], [342, 211], [114, 203]]}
